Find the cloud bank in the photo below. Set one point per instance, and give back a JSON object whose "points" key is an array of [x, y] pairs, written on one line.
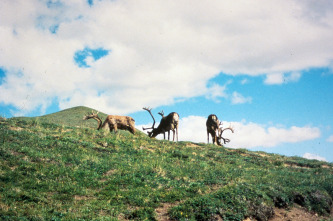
{"points": [[330, 139], [312, 156], [237, 98], [247, 135], [158, 51]]}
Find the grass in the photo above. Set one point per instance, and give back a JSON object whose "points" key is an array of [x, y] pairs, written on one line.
{"points": [[62, 172], [69, 117]]}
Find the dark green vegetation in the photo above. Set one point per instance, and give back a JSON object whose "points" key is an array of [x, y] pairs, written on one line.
{"points": [[59, 172]]}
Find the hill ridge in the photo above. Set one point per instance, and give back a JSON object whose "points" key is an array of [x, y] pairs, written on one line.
{"points": [[68, 117]]}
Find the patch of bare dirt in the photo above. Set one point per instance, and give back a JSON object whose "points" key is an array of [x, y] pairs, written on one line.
{"points": [[14, 153], [297, 213], [192, 145], [293, 165], [77, 197], [15, 128], [147, 148], [110, 172], [162, 212], [13, 168], [47, 160], [263, 155], [326, 166]]}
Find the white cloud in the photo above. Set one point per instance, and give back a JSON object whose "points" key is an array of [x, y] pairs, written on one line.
{"points": [[193, 128], [159, 50], [244, 81], [215, 91], [312, 156], [276, 78], [280, 78], [330, 139], [255, 135], [247, 135], [237, 98]]}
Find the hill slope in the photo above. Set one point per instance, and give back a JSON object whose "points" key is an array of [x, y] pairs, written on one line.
{"points": [[69, 117], [53, 172]]}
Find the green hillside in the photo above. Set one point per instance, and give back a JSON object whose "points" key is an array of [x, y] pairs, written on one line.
{"points": [[69, 117], [68, 171]]}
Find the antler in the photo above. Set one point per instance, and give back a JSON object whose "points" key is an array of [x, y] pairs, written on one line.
{"points": [[228, 128], [90, 115], [149, 110], [161, 113], [221, 130]]}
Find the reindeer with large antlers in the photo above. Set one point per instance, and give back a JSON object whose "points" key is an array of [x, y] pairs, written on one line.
{"points": [[113, 122], [169, 122], [215, 129]]}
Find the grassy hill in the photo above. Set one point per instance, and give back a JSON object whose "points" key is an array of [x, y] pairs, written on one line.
{"points": [[69, 117], [69, 171]]}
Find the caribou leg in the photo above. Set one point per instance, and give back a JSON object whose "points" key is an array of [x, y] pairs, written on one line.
{"points": [[207, 137]]}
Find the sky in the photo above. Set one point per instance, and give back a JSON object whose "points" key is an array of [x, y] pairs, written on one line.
{"points": [[263, 67]]}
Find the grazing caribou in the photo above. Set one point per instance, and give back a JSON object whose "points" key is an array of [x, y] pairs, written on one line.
{"points": [[113, 122], [212, 125], [215, 129], [169, 122]]}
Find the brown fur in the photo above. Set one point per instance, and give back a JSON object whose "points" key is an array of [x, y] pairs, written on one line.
{"points": [[114, 122]]}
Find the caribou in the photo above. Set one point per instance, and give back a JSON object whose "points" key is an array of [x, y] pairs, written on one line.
{"points": [[215, 129], [113, 122], [167, 123]]}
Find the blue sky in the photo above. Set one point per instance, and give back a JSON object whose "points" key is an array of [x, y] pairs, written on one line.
{"points": [[263, 67]]}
